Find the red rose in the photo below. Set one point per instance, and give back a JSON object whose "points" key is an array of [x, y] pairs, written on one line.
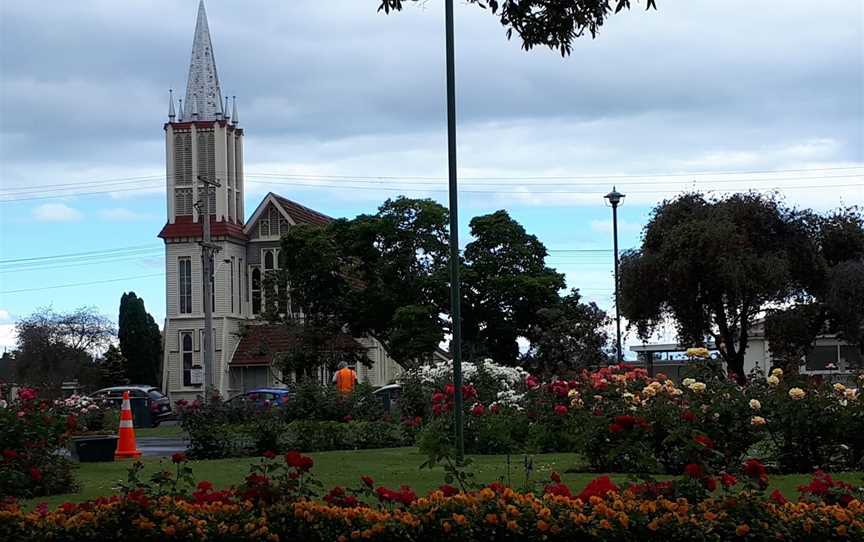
{"points": [[26, 394], [478, 409], [448, 490], [205, 486], [704, 441], [437, 397], [367, 480], [269, 454], [710, 483], [688, 416], [615, 428], [179, 457], [560, 410], [35, 474], [531, 382], [598, 487], [754, 469], [558, 489], [495, 408], [449, 389], [10, 454], [777, 498], [693, 470], [555, 477], [728, 480]]}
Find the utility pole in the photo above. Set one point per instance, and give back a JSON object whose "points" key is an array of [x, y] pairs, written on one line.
{"points": [[455, 296], [208, 251], [615, 198]]}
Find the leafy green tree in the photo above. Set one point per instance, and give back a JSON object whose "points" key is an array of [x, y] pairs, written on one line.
{"points": [[140, 341], [550, 23], [566, 336], [505, 283], [713, 265], [791, 333], [318, 343], [53, 347]]}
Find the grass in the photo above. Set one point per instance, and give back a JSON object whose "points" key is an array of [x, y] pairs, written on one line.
{"points": [[390, 467]]}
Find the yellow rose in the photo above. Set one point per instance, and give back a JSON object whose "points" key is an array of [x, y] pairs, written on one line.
{"points": [[773, 380], [797, 393], [755, 404], [757, 420], [778, 372], [687, 382], [697, 352], [698, 387], [840, 388], [648, 391]]}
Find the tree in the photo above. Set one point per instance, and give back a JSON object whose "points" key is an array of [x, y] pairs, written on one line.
{"points": [[713, 265], [506, 282], [140, 341], [382, 275], [53, 347], [550, 23], [318, 343], [566, 336]]}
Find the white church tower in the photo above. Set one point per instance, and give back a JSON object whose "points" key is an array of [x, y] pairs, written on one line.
{"points": [[202, 140]]}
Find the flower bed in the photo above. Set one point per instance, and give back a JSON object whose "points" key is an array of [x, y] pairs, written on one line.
{"points": [[281, 500], [32, 432], [621, 420]]}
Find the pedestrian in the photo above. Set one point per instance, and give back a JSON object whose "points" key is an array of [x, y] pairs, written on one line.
{"points": [[345, 378]]}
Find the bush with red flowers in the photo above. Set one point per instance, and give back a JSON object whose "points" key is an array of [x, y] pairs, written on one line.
{"points": [[32, 435]]}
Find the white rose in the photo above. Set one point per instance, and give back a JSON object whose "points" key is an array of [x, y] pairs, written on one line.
{"points": [[773, 380], [687, 382], [698, 387], [757, 420], [755, 404]]}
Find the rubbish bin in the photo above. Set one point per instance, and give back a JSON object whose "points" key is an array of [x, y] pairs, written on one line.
{"points": [[141, 415]]}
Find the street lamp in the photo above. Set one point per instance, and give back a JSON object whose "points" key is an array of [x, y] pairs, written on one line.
{"points": [[615, 198]]}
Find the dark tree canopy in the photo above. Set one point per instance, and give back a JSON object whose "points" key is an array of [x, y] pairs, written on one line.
{"points": [[505, 282], [546, 23], [54, 347], [567, 335], [713, 265], [140, 341]]}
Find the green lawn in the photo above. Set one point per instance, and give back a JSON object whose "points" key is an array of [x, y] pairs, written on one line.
{"points": [[391, 467]]}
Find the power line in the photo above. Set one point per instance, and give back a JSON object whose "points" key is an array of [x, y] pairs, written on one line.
{"points": [[81, 284], [88, 253]]}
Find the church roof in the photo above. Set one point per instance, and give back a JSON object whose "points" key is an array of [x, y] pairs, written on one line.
{"points": [[203, 95], [260, 343], [301, 214]]}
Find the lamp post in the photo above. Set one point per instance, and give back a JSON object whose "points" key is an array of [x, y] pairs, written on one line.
{"points": [[615, 198]]}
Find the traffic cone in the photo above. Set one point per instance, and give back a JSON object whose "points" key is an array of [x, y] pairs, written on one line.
{"points": [[126, 446]]}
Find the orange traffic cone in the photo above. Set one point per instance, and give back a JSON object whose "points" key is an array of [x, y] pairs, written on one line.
{"points": [[126, 447]]}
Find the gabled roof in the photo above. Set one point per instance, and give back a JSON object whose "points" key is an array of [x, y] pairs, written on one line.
{"points": [[184, 227], [260, 343], [292, 211]]}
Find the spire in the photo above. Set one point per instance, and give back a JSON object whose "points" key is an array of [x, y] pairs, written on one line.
{"points": [[182, 113], [225, 109], [234, 117], [171, 114], [202, 88]]}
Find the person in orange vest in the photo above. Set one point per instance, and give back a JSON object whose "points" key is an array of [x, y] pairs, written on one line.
{"points": [[345, 378]]}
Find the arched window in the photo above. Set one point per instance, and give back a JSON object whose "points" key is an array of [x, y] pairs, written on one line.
{"points": [[256, 291], [186, 351], [268, 260]]}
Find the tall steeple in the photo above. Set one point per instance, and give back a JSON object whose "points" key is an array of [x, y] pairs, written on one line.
{"points": [[203, 94]]}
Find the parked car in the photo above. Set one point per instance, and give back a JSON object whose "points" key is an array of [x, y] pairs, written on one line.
{"points": [[264, 397], [389, 396], [158, 405]]}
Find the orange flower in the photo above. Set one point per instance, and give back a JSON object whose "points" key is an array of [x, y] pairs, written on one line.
{"points": [[492, 519], [742, 529]]}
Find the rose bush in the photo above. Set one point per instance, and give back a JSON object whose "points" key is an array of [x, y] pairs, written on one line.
{"points": [[281, 500], [32, 433]]}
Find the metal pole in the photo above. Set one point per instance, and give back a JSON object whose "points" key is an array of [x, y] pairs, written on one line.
{"points": [[208, 249], [617, 312], [455, 296]]}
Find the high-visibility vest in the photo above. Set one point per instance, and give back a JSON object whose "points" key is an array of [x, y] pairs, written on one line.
{"points": [[345, 380]]}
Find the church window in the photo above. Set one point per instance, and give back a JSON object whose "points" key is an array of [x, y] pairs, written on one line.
{"points": [[183, 201], [184, 285], [269, 260], [183, 158], [256, 291], [238, 208], [186, 352], [231, 274], [264, 228]]}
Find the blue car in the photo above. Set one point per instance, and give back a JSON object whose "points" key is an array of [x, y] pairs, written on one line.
{"points": [[264, 397]]}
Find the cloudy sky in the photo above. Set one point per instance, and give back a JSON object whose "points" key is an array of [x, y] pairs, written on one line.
{"points": [[344, 107]]}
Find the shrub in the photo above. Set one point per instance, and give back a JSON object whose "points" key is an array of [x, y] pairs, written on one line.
{"points": [[31, 435]]}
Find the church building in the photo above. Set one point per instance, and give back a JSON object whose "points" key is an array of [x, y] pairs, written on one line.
{"points": [[203, 138]]}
